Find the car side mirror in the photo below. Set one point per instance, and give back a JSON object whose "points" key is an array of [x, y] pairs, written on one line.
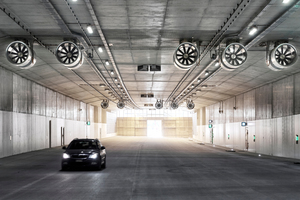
{"points": [[64, 147], [102, 147]]}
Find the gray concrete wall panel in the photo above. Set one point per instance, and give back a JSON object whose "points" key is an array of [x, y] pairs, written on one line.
{"points": [[50, 103], [83, 112], [38, 99], [228, 105], [60, 106], [239, 111], [70, 108], [283, 99], [249, 106], [263, 102], [6, 131], [6, 90], [21, 94], [297, 93], [77, 110]]}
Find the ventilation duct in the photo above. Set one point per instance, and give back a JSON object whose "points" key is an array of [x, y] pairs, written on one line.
{"points": [[120, 104], [69, 54], [233, 56], [185, 56], [20, 54], [159, 104], [190, 105], [104, 104], [174, 105], [283, 56]]}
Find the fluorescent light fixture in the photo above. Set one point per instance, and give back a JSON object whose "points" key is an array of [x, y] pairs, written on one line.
{"points": [[89, 29], [285, 1], [100, 49], [74, 0], [112, 72], [106, 62], [116, 80], [206, 73], [217, 64], [253, 30]]}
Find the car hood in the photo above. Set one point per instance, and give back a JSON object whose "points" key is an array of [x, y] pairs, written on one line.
{"points": [[81, 151]]}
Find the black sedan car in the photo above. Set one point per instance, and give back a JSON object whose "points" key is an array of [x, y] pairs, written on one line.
{"points": [[84, 153]]}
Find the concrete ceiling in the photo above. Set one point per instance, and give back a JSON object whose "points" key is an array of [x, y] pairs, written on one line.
{"points": [[147, 32]]}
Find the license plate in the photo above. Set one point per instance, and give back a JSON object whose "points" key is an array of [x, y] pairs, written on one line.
{"points": [[78, 160]]}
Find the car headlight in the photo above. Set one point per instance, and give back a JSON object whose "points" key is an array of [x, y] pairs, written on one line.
{"points": [[66, 156], [93, 156]]}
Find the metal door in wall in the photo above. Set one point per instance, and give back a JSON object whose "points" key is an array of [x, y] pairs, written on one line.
{"points": [[212, 135], [246, 139], [49, 133], [62, 140]]}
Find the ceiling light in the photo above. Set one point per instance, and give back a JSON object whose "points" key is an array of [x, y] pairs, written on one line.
{"points": [[106, 62], [106, 89], [199, 79], [119, 85], [194, 94], [74, 0], [101, 85], [285, 1], [206, 73], [100, 49], [198, 90], [253, 30], [112, 72], [188, 89], [204, 86], [89, 29], [217, 64], [193, 86], [116, 80]]}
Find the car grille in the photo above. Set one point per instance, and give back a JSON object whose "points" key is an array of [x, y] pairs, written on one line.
{"points": [[80, 156]]}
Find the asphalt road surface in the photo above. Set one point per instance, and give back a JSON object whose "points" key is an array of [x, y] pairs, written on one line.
{"points": [[152, 168]]}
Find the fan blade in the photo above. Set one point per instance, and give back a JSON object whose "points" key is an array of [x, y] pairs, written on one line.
{"points": [[180, 51], [188, 50], [192, 52]]}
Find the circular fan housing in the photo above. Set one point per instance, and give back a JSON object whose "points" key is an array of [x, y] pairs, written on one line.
{"points": [[185, 56], [283, 56], [19, 54], [234, 56], [69, 54], [120, 104], [159, 105], [174, 105], [190, 105], [104, 104]]}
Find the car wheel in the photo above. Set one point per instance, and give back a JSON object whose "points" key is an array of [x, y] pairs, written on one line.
{"points": [[104, 164], [99, 165]]}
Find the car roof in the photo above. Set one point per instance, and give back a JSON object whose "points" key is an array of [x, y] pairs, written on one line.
{"points": [[85, 139]]}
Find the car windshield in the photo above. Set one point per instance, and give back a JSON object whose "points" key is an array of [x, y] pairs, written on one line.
{"points": [[83, 145]]}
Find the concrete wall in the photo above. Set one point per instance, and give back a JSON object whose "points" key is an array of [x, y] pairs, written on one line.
{"points": [[271, 112], [28, 111], [171, 126]]}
